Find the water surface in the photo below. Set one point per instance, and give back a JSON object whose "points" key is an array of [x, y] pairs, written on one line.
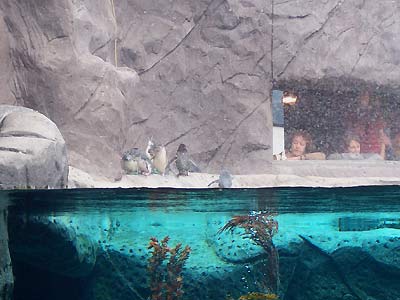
{"points": [[96, 240]]}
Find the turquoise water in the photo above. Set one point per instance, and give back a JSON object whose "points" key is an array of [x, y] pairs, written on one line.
{"points": [[339, 243]]}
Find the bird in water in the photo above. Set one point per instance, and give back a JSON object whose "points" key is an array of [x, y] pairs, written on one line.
{"points": [[183, 161], [157, 155], [134, 161], [224, 181]]}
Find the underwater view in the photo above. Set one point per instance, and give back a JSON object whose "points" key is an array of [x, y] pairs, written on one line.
{"points": [[231, 244]]}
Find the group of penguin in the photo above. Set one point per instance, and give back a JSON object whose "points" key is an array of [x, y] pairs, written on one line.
{"points": [[155, 161]]}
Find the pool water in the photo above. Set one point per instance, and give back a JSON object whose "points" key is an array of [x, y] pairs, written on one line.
{"points": [[278, 243]]}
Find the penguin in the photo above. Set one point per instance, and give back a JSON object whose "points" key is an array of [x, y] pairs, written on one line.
{"points": [[224, 181], [128, 164], [183, 162], [135, 161], [158, 156]]}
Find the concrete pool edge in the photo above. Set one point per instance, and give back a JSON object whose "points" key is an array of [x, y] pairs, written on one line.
{"points": [[281, 174]]}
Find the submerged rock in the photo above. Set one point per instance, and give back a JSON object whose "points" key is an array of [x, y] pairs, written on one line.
{"points": [[53, 246], [6, 274]]}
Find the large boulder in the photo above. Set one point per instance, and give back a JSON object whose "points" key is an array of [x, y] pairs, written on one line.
{"points": [[33, 151]]}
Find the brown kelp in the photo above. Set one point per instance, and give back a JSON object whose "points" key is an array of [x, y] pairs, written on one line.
{"points": [[254, 296], [258, 296], [166, 282], [260, 227]]}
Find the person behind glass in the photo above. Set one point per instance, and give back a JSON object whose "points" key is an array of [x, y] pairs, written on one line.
{"points": [[352, 144], [300, 147], [367, 123], [352, 150], [393, 152]]}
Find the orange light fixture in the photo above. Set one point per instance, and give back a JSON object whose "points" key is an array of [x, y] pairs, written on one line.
{"points": [[289, 98]]}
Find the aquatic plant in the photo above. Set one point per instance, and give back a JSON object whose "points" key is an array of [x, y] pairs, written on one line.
{"points": [[166, 282], [260, 227], [258, 296], [255, 296], [155, 266]]}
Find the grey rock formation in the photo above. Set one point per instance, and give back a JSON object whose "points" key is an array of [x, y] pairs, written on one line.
{"points": [[193, 72], [317, 39], [61, 53], [6, 74], [33, 152], [202, 69], [204, 65]]}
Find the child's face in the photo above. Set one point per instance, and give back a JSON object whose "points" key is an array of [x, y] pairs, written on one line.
{"points": [[353, 147], [298, 146]]}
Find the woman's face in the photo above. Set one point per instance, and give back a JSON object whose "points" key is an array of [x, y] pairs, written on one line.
{"points": [[364, 100], [298, 146], [353, 147]]}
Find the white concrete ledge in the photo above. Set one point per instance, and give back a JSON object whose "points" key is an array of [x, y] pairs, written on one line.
{"points": [[282, 174]]}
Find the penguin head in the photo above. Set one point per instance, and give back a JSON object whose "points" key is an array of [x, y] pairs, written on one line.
{"points": [[134, 152], [182, 148], [150, 148], [151, 143], [151, 153], [127, 156]]}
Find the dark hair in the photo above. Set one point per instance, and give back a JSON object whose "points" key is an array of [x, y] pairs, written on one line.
{"points": [[182, 148], [306, 136]]}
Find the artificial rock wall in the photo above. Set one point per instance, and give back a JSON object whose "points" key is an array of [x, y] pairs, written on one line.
{"points": [[111, 74]]}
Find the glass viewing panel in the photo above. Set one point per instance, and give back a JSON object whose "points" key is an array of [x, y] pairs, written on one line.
{"points": [[298, 243], [349, 124]]}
